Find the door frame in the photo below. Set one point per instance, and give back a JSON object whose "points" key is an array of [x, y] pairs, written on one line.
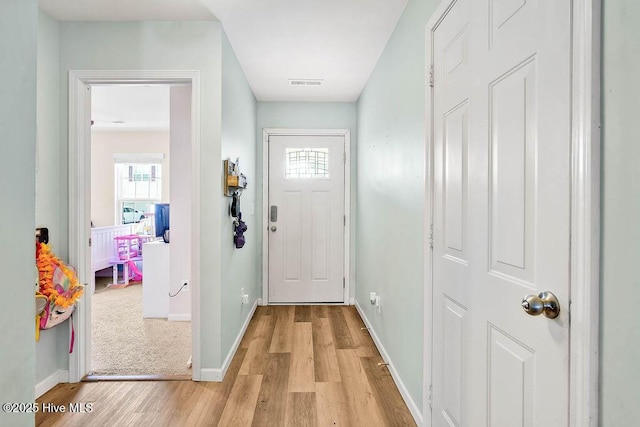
{"points": [[584, 343], [266, 133], [80, 200]]}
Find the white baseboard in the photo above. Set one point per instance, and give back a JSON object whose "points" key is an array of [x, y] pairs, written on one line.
{"points": [[59, 376], [352, 301], [186, 317], [212, 375], [416, 412], [260, 301], [217, 374]]}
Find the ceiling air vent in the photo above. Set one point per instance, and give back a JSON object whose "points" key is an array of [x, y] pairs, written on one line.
{"points": [[305, 82]]}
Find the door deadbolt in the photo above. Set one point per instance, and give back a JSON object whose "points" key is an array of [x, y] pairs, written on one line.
{"points": [[545, 303]]}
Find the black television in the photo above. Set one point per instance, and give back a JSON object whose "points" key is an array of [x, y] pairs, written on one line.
{"points": [[161, 215]]}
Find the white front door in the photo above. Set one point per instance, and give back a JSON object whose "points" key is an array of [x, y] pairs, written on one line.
{"points": [[306, 218], [501, 211]]}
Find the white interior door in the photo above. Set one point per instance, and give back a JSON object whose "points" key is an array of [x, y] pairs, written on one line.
{"points": [[306, 218], [501, 212]]}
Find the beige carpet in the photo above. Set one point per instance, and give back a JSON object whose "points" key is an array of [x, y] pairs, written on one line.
{"points": [[123, 343]]}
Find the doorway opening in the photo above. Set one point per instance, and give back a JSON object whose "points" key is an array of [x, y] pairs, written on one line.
{"points": [[157, 256], [133, 329]]}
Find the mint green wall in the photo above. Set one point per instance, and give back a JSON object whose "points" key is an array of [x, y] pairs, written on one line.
{"points": [[18, 40], [239, 266], [153, 46], [308, 115], [51, 354], [390, 196], [620, 250]]}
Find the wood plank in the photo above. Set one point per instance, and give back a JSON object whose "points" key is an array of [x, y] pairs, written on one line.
{"points": [[251, 329], [257, 352], [62, 394], [172, 399], [341, 335], [392, 407], [241, 405], [160, 394], [319, 311], [283, 332], [129, 403], [118, 408], [362, 406], [207, 409], [301, 410], [137, 419], [273, 392], [302, 371], [215, 398], [269, 310], [303, 313], [361, 339], [163, 414], [332, 405], [115, 409], [366, 394], [324, 352]]}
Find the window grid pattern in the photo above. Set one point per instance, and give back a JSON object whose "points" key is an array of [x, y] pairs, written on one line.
{"points": [[307, 163], [139, 181]]}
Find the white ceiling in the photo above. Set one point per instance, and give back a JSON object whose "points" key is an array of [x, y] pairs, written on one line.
{"points": [[337, 41], [130, 108]]}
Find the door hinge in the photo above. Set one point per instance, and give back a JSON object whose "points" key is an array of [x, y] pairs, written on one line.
{"points": [[345, 219], [345, 158], [430, 398], [344, 283], [431, 236], [431, 75], [89, 241]]}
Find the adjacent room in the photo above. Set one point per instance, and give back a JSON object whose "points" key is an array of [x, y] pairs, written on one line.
{"points": [[133, 332]]}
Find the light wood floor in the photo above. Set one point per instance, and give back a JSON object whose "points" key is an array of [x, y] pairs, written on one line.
{"points": [[296, 366]]}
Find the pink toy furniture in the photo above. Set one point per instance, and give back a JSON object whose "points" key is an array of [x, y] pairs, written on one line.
{"points": [[128, 251], [128, 247]]}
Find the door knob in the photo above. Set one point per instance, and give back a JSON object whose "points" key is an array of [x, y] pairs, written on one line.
{"points": [[545, 303], [274, 228]]}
